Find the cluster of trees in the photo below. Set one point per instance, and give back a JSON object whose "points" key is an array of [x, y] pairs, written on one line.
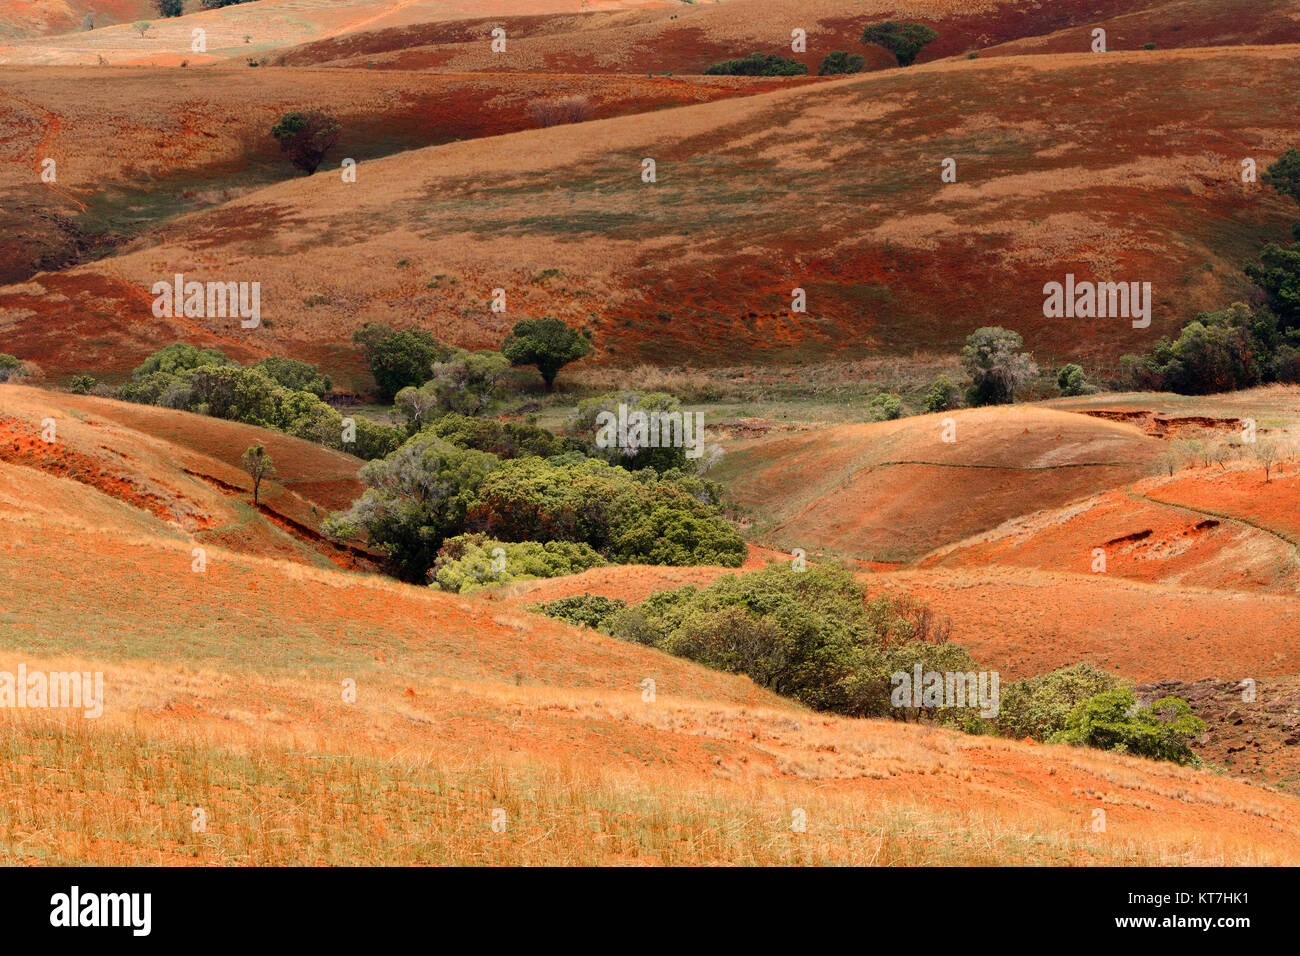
{"points": [[811, 635], [1240, 346], [758, 64], [429, 491], [815, 636], [904, 40], [470, 562], [280, 393]]}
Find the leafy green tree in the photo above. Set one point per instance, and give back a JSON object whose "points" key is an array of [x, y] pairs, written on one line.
{"points": [[1278, 274], [179, 357], [1217, 352], [141, 27], [169, 8], [904, 40], [259, 466], [995, 366], [399, 359], [503, 439], [305, 137], [546, 343], [840, 61], [414, 499], [1112, 720]]}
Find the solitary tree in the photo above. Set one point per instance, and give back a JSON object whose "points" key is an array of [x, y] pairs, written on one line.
{"points": [[258, 464], [141, 26], [306, 137], [547, 343], [904, 40], [992, 359]]}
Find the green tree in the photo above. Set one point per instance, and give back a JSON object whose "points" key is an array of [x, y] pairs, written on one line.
{"points": [[995, 366], [399, 359], [169, 8], [465, 383], [904, 40], [259, 466], [839, 61], [305, 137], [1284, 175], [296, 375], [546, 343], [141, 27]]}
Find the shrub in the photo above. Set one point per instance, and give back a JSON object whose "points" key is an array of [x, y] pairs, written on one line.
{"points": [[567, 109], [1071, 381], [399, 359], [1112, 720], [471, 562], [996, 369], [584, 610], [810, 635], [1037, 707], [546, 343], [305, 137], [758, 64], [81, 384], [904, 40], [839, 62], [942, 396], [886, 407]]}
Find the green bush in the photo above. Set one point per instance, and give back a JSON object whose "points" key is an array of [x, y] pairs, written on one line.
{"points": [[886, 407], [399, 359], [1037, 707], [177, 358], [81, 384], [1071, 381], [10, 367], [839, 62], [471, 562], [1112, 720], [586, 610], [943, 395], [810, 635], [758, 64]]}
